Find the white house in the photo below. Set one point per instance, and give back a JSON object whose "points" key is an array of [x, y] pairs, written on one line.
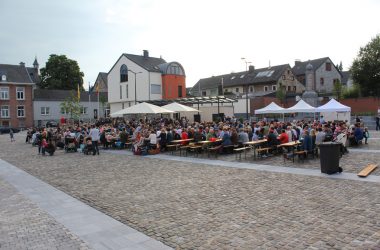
{"points": [[135, 78]]}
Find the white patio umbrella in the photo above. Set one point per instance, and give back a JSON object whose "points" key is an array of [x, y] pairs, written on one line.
{"points": [[177, 107], [141, 108]]}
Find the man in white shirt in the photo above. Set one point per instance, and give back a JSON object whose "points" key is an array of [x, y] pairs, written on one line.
{"points": [[94, 133]]}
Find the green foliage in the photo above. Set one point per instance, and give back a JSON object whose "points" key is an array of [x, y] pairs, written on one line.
{"points": [[280, 94], [72, 106], [339, 66], [365, 69], [338, 90], [61, 73], [353, 92]]}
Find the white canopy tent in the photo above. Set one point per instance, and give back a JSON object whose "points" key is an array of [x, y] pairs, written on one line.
{"points": [[177, 107], [334, 110], [272, 108], [141, 108], [300, 107]]}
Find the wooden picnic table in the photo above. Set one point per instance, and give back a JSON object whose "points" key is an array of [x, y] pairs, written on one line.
{"points": [[292, 145], [180, 141], [255, 144]]}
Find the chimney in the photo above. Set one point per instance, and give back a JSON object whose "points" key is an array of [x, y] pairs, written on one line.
{"points": [[251, 68], [22, 64], [146, 54], [297, 62]]}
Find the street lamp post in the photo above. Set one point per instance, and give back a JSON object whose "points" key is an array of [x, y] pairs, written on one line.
{"points": [[135, 73], [246, 87]]}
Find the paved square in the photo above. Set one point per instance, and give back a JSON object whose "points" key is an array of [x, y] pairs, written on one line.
{"points": [[187, 205]]}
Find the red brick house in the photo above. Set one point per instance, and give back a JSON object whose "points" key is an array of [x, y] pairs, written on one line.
{"points": [[16, 98]]}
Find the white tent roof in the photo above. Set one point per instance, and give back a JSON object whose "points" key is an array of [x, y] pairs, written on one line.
{"points": [[272, 108], [301, 107], [176, 107], [333, 106], [141, 108]]}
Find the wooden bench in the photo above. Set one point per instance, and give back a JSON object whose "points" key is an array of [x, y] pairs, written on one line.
{"points": [[228, 149], [260, 151], [196, 149], [214, 150], [128, 145], [183, 148], [302, 154], [239, 151], [367, 170], [172, 147]]}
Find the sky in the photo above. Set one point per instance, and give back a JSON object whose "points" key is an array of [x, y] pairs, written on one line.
{"points": [[208, 37]]}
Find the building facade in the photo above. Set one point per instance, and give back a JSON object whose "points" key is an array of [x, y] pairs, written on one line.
{"points": [[101, 83], [16, 94], [135, 78], [254, 82], [325, 74], [47, 105]]}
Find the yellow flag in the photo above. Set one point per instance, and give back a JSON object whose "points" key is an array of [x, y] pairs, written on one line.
{"points": [[97, 88], [78, 93]]}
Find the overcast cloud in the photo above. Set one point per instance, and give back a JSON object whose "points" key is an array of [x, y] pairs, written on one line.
{"points": [[206, 37]]}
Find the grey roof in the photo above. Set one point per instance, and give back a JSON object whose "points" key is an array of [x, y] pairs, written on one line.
{"points": [[300, 67], [104, 77], [345, 76], [148, 63], [33, 73], [61, 95], [15, 73], [258, 76]]}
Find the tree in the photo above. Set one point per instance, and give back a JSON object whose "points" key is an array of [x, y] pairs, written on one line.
{"points": [[280, 93], [365, 69], [61, 73], [338, 90], [339, 66], [71, 105]]}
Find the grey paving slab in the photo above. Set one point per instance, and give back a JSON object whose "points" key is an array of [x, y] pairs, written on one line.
{"points": [[261, 167], [98, 230]]}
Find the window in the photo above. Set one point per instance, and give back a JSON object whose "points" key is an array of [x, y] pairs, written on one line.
{"points": [[322, 81], [237, 90], [251, 89], [283, 77], [289, 88], [4, 93], [20, 111], [5, 111], [20, 93], [4, 78], [292, 78], [155, 89], [233, 77], [64, 111], [179, 91], [83, 110], [126, 91], [121, 89], [123, 73], [294, 88], [242, 76], [204, 93], [288, 71], [45, 111], [265, 88], [328, 66], [122, 105], [274, 87]]}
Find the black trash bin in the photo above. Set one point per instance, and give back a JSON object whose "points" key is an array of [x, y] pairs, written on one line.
{"points": [[329, 155]]}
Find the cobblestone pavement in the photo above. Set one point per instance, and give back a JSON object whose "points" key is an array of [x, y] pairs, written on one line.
{"points": [[24, 226], [197, 206]]}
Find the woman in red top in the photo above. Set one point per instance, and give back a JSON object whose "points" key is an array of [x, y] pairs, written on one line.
{"points": [[184, 136], [283, 137]]}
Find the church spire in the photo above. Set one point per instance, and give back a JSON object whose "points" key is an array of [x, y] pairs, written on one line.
{"points": [[35, 63]]}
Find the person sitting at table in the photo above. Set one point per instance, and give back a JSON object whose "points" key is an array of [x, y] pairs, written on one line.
{"points": [[283, 137], [163, 139], [169, 136], [152, 139], [243, 137], [234, 136], [320, 137], [211, 134], [226, 141], [184, 136], [307, 143], [255, 136], [272, 139], [123, 138]]}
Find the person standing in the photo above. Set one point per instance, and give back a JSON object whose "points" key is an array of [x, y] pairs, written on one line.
{"points": [[377, 122], [11, 135], [94, 133]]}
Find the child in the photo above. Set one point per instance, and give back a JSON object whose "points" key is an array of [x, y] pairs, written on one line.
{"points": [[366, 135], [11, 135]]}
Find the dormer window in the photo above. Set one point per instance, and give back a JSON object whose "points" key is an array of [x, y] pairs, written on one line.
{"points": [[4, 78], [123, 73]]}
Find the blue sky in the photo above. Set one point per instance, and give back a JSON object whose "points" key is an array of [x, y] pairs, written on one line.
{"points": [[206, 37]]}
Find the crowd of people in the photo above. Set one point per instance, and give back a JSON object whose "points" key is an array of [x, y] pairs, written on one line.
{"points": [[157, 133]]}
